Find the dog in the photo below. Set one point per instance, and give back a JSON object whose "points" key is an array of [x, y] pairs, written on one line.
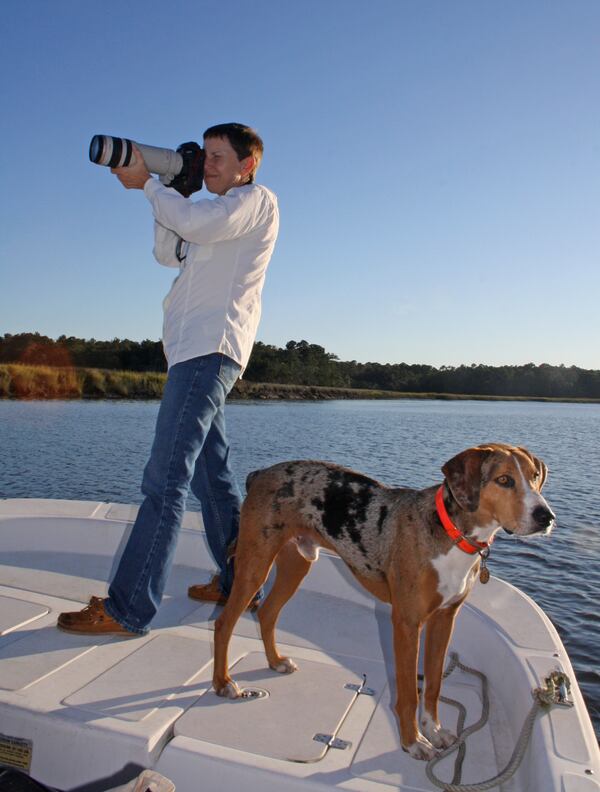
{"points": [[419, 550]]}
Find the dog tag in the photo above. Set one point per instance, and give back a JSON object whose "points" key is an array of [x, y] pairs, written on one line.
{"points": [[484, 573]]}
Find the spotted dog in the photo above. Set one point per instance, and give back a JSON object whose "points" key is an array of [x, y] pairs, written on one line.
{"points": [[419, 550]]}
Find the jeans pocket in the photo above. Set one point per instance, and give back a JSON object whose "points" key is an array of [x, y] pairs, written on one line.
{"points": [[229, 371]]}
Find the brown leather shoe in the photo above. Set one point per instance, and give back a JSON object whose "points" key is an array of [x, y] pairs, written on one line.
{"points": [[92, 620], [211, 592]]}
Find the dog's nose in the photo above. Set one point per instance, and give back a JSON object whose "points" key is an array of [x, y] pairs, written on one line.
{"points": [[542, 516]]}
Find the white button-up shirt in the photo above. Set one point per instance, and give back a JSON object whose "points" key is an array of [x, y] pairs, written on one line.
{"points": [[214, 303]]}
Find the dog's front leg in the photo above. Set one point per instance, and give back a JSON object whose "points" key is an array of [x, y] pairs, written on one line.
{"points": [[438, 632], [406, 650]]}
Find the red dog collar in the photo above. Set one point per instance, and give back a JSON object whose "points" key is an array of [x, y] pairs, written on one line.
{"points": [[470, 546]]}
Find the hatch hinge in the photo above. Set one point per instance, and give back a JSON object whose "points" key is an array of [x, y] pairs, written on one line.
{"points": [[332, 742], [361, 689]]}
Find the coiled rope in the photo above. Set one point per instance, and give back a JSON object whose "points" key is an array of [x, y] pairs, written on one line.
{"points": [[556, 692]]}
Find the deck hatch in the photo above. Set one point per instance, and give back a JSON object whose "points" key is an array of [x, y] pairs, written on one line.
{"points": [[312, 701]]}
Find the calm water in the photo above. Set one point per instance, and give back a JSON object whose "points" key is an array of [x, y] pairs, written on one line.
{"points": [[97, 450]]}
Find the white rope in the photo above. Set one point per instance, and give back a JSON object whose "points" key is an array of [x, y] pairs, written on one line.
{"points": [[543, 700]]}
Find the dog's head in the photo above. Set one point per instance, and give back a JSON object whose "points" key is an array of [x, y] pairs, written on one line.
{"points": [[502, 483]]}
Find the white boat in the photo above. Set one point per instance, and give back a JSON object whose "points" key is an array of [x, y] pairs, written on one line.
{"points": [[85, 713]]}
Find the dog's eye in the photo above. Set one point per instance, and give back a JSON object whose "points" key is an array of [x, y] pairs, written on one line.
{"points": [[505, 481]]}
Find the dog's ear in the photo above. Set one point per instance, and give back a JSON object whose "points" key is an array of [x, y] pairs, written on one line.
{"points": [[540, 467], [463, 476]]}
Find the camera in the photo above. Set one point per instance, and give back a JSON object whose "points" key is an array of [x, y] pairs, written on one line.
{"points": [[182, 169]]}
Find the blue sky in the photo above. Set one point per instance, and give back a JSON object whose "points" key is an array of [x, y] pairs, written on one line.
{"points": [[436, 162]]}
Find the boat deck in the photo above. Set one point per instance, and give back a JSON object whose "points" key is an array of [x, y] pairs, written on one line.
{"points": [[82, 713]]}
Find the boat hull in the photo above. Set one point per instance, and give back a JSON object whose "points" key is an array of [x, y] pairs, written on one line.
{"points": [[81, 712]]}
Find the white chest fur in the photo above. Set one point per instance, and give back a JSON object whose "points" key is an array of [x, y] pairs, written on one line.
{"points": [[455, 571]]}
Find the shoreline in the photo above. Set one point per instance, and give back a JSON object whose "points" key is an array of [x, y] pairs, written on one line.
{"points": [[20, 382], [250, 391]]}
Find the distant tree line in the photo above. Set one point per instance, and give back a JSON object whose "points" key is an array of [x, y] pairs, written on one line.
{"points": [[124, 355], [302, 363]]}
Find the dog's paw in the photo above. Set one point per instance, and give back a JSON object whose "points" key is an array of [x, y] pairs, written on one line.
{"points": [[229, 690], [438, 737], [420, 749], [285, 665], [443, 738]]}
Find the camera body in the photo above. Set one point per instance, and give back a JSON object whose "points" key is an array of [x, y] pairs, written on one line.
{"points": [[182, 169]]}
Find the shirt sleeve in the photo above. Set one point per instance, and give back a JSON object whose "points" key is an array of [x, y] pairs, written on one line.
{"points": [[205, 221], [165, 244]]}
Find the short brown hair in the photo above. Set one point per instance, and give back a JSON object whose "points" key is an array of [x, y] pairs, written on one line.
{"points": [[243, 139]]}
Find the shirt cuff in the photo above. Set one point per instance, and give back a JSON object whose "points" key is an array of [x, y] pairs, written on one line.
{"points": [[151, 187]]}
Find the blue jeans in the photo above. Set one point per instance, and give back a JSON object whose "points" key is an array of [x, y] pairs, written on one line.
{"points": [[190, 451]]}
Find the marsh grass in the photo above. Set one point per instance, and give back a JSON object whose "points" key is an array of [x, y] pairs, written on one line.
{"points": [[19, 381]]}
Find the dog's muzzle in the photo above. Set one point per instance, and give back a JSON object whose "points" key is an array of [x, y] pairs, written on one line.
{"points": [[543, 518]]}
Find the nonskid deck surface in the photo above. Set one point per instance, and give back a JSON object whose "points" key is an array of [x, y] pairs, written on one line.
{"points": [[110, 705], [142, 690]]}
